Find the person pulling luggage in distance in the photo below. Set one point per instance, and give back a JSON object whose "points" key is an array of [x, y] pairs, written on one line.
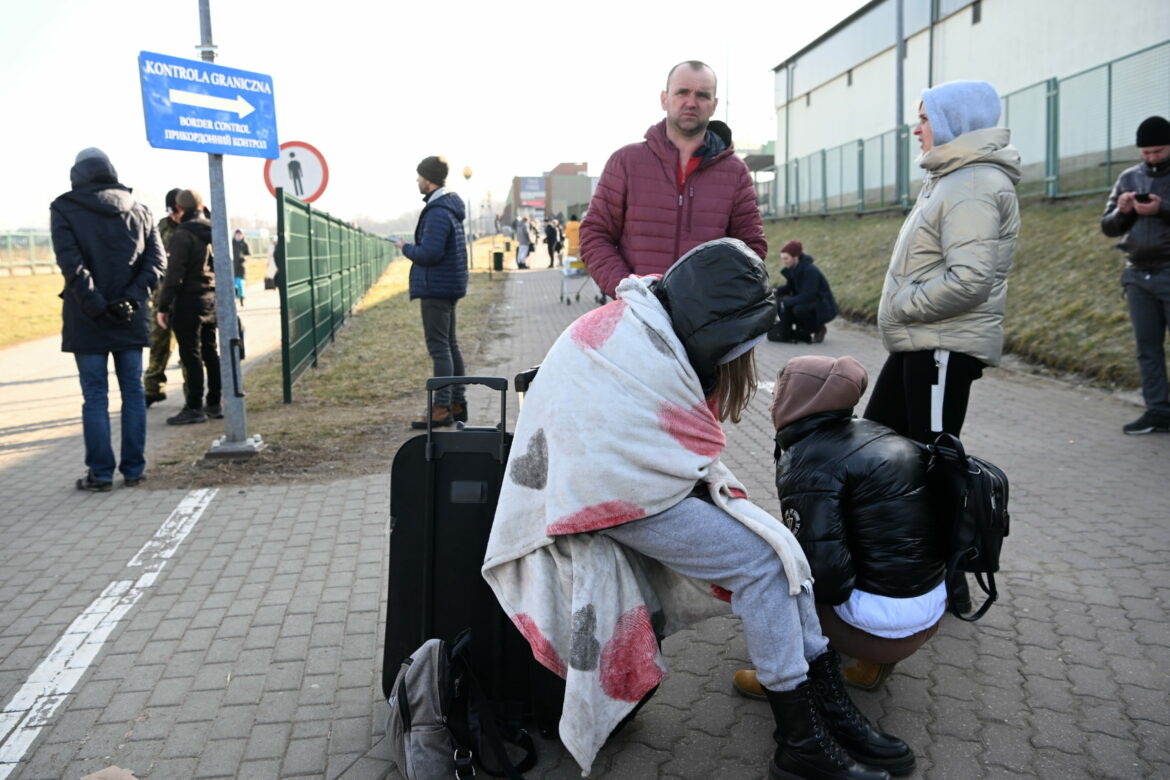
{"points": [[855, 495], [805, 302], [617, 521]]}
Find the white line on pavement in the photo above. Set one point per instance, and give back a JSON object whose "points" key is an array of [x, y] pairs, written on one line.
{"points": [[33, 706]]}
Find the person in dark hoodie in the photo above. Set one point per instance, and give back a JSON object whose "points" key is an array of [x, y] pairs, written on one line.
{"points": [[855, 495], [187, 304], [617, 519], [681, 187], [438, 278], [805, 302], [110, 254]]}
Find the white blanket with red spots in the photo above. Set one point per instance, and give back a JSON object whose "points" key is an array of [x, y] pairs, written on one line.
{"points": [[615, 427]]}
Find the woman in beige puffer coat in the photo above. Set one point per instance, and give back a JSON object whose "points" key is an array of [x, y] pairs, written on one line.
{"points": [[942, 306]]}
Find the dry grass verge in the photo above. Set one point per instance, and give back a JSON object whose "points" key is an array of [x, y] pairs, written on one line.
{"points": [[1064, 312], [351, 413], [32, 309]]}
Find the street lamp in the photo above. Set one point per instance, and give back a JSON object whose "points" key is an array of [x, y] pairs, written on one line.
{"points": [[470, 223]]}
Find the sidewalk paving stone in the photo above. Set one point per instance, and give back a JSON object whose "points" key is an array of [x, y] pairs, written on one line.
{"points": [[257, 651]]}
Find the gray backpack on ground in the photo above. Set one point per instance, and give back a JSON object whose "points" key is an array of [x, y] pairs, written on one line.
{"points": [[440, 722]]}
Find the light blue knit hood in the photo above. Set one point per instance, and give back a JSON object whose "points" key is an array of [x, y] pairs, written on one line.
{"points": [[958, 107]]}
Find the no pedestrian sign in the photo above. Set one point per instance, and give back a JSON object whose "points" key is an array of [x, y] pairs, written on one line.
{"points": [[196, 106], [300, 169]]}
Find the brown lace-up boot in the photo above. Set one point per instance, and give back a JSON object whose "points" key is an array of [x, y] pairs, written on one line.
{"points": [[441, 417]]}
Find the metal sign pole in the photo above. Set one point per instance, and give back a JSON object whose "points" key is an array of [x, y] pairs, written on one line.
{"points": [[235, 442]]}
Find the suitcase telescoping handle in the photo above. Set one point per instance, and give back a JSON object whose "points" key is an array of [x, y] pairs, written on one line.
{"points": [[497, 383], [494, 382]]}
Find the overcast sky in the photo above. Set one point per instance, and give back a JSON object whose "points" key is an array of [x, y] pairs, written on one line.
{"points": [[376, 86]]}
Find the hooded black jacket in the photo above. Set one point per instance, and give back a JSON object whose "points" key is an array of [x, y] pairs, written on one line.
{"points": [[107, 248], [718, 297], [854, 495], [190, 273]]}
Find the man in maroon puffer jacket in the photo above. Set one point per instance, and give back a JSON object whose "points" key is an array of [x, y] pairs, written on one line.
{"points": [[679, 188]]}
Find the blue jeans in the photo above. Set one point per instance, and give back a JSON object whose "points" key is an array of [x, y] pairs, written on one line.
{"points": [[93, 370], [438, 320]]}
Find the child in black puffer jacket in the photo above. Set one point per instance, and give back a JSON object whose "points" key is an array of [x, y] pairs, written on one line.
{"points": [[854, 494]]}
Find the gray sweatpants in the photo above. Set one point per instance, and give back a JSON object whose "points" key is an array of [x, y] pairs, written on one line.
{"points": [[700, 540]]}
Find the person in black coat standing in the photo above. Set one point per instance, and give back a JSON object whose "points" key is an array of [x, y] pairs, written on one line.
{"points": [[240, 252], [805, 302], [110, 254], [187, 304]]}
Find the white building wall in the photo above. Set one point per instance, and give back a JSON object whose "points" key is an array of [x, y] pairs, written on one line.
{"points": [[1016, 44], [1019, 43]]}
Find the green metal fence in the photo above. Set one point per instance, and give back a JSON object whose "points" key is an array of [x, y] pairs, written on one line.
{"points": [[1075, 135], [32, 250], [29, 250], [324, 267]]}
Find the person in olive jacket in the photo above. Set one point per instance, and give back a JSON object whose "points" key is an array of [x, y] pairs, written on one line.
{"points": [[109, 252], [854, 493], [187, 304], [805, 303]]}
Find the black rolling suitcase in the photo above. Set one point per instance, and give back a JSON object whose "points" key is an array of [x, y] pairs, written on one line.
{"points": [[444, 486]]}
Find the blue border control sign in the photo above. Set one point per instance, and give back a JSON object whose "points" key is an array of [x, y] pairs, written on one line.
{"points": [[197, 106]]}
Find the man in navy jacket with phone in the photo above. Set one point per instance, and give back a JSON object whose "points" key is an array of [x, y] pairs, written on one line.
{"points": [[438, 278]]}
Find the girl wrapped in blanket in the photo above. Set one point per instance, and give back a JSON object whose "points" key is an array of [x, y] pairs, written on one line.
{"points": [[618, 522]]}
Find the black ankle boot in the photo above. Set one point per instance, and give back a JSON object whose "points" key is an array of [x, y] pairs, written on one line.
{"points": [[848, 725], [807, 751]]}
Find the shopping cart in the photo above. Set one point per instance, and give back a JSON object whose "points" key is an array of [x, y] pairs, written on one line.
{"points": [[572, 270]]}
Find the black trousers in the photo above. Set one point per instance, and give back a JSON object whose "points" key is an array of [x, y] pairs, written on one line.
{"points": [[901, 396], [798, 322], [193, 323], [901, 399]]}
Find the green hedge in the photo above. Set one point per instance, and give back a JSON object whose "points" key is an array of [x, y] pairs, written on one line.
{"points": [[1065, 308]]}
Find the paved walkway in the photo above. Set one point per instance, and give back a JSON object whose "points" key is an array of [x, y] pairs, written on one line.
{"points": [[236, 633]]}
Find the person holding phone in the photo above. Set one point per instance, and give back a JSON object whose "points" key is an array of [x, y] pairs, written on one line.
{"points": [[1138, 210], [438, 278]]}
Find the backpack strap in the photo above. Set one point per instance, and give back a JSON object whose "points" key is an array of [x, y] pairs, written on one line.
{"points": [[475, 725], [495, 733]]}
